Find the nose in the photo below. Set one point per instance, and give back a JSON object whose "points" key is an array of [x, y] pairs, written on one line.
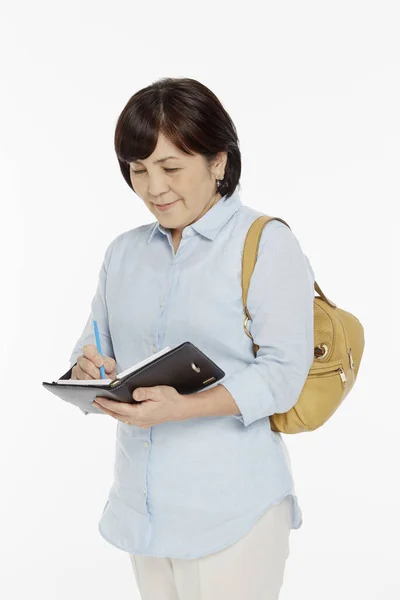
{"points": [[157, 185]]}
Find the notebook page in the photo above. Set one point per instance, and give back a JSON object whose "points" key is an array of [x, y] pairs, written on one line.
{"points": [[143, 362], [84, 381]]}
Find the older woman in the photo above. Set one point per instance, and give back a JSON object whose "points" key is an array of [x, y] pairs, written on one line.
{"points": [[203, 498]]}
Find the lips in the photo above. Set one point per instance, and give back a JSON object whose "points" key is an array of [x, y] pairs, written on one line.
{"points": [[168, 203], [166, 207]]}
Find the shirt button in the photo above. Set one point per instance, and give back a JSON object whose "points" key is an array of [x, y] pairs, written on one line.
{"points": [[146, 444], [143, 490], [154, 349]]}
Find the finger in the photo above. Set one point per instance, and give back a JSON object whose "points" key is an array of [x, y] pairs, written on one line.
{"points": [[105, 410], [79, 372], [109, 364], [89, 370], [121, 409], [90, 351]]}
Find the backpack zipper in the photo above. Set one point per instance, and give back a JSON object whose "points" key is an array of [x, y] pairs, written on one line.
{"points": [[338, 370], [342, 376], [351, 359]]}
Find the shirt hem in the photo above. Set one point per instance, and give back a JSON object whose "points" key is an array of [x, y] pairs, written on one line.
{"points": [[296, 524]]}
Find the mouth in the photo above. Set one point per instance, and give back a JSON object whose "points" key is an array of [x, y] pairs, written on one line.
{"points": [[163, 207]]}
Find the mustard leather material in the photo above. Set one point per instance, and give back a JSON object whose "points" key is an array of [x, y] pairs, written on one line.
{"points": [[338, 349]]}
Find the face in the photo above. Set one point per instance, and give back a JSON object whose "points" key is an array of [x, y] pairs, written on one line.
{"points": [[183, 181]]}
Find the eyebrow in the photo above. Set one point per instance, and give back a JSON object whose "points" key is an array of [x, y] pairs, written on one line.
{"points": [[159, 160]]}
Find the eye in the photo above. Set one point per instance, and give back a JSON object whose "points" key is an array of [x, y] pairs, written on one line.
{"points": [[168, 170]]}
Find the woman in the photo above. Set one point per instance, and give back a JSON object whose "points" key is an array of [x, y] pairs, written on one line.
{"points": [[203, 498]]}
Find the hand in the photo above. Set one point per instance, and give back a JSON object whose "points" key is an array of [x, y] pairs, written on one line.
{"points": [[88, 364], [157, 404]]}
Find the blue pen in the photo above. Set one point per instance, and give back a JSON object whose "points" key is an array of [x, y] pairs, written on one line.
{"points": [[98, 344]]}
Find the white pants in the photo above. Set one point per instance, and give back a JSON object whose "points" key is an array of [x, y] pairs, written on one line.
{"points": [[252, 568]]}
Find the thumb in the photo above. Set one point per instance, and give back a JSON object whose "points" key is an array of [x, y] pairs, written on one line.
{"points": [[141, 394]]}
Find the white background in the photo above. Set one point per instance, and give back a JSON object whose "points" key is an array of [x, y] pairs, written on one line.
{"points": [[313, 89]]}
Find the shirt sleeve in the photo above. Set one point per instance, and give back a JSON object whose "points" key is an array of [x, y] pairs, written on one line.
{"points": [[281, 303], [98, 311]]}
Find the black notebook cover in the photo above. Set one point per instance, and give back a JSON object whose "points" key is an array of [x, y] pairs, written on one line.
{"points": [[185, 367]]}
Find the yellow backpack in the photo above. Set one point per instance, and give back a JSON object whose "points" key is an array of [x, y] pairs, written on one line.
{"points": [[338, 349]]}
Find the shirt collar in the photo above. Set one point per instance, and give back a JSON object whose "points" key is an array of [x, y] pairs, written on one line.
{"points": [[212, 221]]}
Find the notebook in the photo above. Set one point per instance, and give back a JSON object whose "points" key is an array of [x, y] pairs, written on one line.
{"points": [[184, 367], [119, 376]]}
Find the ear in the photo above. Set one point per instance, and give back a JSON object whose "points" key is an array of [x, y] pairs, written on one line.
{"points": [[220, 162]]}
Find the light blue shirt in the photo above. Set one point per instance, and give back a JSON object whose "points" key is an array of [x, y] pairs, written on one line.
{"points": [[185, 489]]}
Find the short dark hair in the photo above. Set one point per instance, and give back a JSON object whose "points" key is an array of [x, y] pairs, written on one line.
{"points": [[189, 115]]}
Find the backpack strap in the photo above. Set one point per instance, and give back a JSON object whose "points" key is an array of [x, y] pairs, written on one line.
{"points": [[249, 258]]}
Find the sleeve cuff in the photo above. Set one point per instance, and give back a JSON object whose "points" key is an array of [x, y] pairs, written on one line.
{"points": [[249, 390]]}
